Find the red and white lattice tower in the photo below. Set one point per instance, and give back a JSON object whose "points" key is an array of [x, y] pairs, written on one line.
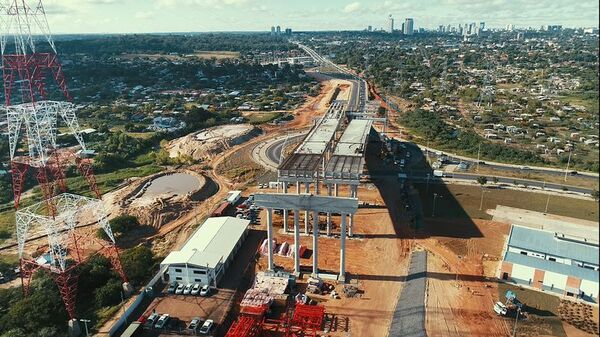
{"points": [[33, 121]]}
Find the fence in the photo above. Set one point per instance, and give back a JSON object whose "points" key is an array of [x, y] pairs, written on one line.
{"points": [[125, 318]]}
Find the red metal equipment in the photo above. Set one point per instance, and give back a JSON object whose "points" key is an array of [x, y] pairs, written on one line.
{"points": [[299, 321], [249, 323]]}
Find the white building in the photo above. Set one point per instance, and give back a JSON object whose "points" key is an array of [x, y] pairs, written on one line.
{"points": [[552, 262], [208, 252], [390, 24]]}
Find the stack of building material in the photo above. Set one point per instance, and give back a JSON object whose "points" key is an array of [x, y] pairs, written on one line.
{"points": [[283, 249], [264, 247], [257, 297], [275, 285], [291, 250]]}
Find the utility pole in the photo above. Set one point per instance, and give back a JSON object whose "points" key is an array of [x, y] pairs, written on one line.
{"points": [[123, 306], [85, 322], [481, 204], [568, 164], [478, 156], [516, 320], [547, 203], [435, 196], [427, 150]]}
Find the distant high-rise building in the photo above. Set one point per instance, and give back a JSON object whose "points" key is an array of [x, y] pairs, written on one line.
{"points": [[272, 30], [409, 26], [390, 24], [510, 27], [288, 31], [554, 28], [278, 30], [370, 28], [482, 26]]}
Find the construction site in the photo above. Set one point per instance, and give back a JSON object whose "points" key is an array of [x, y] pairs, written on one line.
{"points": [[309, 228]]}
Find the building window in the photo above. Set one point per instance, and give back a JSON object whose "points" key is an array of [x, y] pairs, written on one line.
{"points": [[177, 270], [523, 253], [178, 278], [202, 272], [552, 259], [197, 280]]}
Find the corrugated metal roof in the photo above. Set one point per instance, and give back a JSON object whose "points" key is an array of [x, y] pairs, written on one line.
{"points": [[211, 242], [555, 267], [546, 242]]}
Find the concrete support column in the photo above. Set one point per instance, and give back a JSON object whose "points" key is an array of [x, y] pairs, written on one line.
{"points": [[285, 211], [336, 190], [353, 194], [317, 188], [306, 212], [315, 243], [329, 213], [297, 241], [342, 275], [270, 238], [297, 187]]}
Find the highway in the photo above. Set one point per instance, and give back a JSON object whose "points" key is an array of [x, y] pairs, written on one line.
{"points": [[269, 153]]}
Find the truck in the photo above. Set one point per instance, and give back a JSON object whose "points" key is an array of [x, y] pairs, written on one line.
{"points": [[275, 184], [438, 173], [222, 209], [233, 197]]}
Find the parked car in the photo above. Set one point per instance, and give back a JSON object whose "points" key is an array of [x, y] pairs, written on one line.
{"points": [[172, 287], [179, 289], [188, 289], [500, 308], [195, 289], [205, 291], [162, 321], [194, 324], [207, 326], [151, 320]]}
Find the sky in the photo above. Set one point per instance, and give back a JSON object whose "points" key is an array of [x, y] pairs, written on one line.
{"points": [[147, 16]]}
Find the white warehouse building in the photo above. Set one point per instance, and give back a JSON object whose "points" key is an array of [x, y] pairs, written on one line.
{"points": [[552, 262], [207, 253]]}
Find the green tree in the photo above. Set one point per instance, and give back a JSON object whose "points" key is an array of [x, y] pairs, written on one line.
{"points": [[137, 264], [123, 223], [596, 195], [109, 293], [482, 180]]}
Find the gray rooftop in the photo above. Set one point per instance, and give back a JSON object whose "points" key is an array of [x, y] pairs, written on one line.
{"points": [[551, 244]]}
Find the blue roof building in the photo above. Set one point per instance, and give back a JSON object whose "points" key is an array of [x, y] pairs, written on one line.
{"points": [[554, 262]]}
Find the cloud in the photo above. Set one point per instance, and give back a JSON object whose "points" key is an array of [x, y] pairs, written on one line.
{"points": [[143, 15], [352, 7], [219, 4], [101, 2]]}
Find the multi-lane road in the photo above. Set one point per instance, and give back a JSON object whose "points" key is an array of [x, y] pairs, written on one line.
{"points": [[269, 154]]}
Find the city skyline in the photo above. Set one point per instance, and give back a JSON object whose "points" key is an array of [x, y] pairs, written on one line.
{"points": [[138, 16]]}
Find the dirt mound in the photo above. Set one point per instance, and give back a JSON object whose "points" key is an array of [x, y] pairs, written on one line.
{"points": [[207, 143]]}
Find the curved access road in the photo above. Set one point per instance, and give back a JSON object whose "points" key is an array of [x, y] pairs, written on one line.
{"points": [[268, 153]]}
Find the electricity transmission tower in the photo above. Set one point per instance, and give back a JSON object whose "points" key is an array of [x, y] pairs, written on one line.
{"points": [[33, 121]]}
